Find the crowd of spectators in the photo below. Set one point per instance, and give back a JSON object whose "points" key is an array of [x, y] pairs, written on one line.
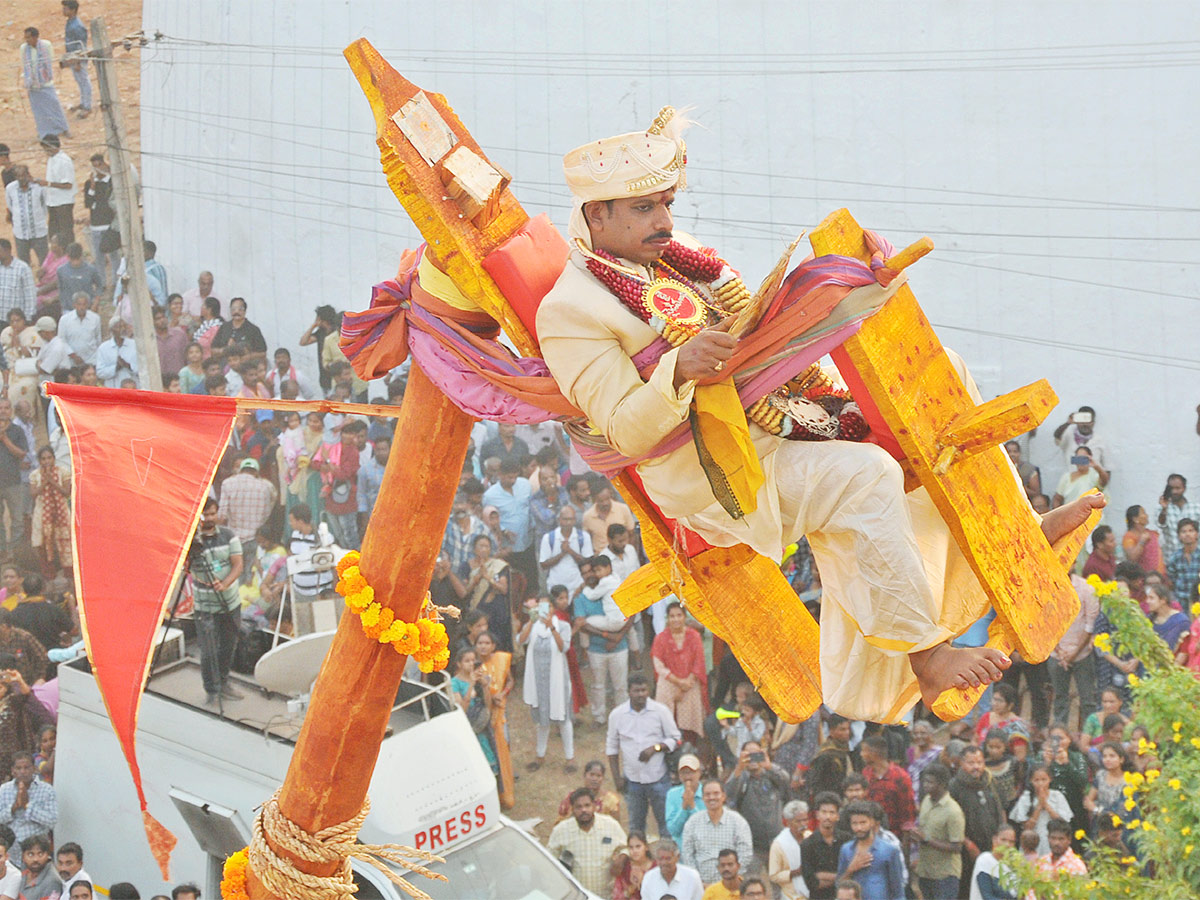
{"points": [[704, 793]]}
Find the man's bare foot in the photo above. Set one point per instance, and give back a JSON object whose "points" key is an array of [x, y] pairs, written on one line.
{"points": [[1058, 523], [943, 667]]}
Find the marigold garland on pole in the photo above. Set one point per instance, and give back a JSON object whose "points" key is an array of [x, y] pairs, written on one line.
{"points": [[425, 640]]}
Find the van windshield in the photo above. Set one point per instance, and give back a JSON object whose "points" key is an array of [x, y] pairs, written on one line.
{"points": [[502, 866]]}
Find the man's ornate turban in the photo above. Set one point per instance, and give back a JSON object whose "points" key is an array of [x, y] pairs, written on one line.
{"points": [[628, 165]]}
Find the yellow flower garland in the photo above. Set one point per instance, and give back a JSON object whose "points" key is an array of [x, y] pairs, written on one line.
{"points": [[233, 881], [425, 640]]}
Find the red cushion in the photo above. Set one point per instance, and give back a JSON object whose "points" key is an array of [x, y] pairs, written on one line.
{"points": [[526, 266]]}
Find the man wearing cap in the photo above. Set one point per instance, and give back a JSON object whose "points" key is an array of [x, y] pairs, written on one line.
{"points": [[246, 501], [681, 799], [54, 354], [116, 358], [632, 279]]}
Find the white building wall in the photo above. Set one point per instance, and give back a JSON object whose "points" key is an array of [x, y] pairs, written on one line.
{"points": [[1048, 149]]}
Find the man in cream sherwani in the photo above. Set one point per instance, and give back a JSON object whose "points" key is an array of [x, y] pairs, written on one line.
{"points": [[896, 587]]}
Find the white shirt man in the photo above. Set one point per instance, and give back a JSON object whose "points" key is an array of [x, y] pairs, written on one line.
{"points": [[624, 558], [563, 549], [16, 283], [60, 170], [116, 358], [27, 205], [54, 354], [670, 878], [10, 880], [80, 328]]}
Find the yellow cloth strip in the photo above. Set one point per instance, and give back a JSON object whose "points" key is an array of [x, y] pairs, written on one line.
{"points": [[441, 286], [722, 423]]}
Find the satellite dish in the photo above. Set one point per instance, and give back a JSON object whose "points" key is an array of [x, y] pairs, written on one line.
{"points": [[292, 668]]}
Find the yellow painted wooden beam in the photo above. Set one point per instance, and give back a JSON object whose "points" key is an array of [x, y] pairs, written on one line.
{"points": [[917, 391], [1000, 419], [743, 599], [955, 704], [456, 244]]}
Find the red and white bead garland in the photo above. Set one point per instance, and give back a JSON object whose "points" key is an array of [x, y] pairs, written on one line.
{"points": [[684, 265]]}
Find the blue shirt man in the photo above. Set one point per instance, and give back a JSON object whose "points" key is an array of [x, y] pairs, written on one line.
{"points": [[511, 496], [868, 859], [370, 476]]}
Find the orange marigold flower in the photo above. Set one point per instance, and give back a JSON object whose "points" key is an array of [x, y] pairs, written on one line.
{"points": [[426, 629], [360, 600], [350, 559], [409, 642], [441, 660], [233, 883]]}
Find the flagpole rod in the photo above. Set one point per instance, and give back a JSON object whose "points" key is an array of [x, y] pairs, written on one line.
{"points": [[319, 406]]}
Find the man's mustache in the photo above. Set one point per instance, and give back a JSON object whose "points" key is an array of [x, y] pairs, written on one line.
{"points": [[659, 236]]}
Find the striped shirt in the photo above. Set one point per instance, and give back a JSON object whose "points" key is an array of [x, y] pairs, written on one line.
{"points": [[16, 287]]}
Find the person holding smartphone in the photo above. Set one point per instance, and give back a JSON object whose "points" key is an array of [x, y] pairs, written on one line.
{"points": [[758, 789], [1173, 508], [1080, 430], [1085, 475]]}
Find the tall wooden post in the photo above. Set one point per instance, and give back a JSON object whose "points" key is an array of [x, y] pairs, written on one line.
{"points": [[352, 700], [125, 198]]}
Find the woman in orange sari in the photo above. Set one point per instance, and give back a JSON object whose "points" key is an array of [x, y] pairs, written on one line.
{"points": [[497, 668], [682, 684]]}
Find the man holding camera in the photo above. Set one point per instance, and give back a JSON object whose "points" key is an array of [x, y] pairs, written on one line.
{"points": [[757, 789], [215, 564]]}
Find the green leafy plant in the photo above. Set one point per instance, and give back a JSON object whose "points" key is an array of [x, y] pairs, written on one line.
{"points": [[1167, 797]]}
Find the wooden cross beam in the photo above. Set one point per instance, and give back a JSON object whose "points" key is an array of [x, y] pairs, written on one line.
{"points": [[906, 386]]}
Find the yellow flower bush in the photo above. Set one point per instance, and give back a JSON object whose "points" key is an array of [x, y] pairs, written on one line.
{"points": [[1166, 797]]}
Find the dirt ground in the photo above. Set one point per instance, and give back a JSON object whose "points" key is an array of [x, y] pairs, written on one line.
{"points": [[539, 793], [123, 17]]}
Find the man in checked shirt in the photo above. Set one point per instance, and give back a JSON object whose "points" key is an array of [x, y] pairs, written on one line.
{"points": [[246, 502], [28, 805]]}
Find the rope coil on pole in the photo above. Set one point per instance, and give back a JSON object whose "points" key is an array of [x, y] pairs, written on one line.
{"points": [[335, 844]]}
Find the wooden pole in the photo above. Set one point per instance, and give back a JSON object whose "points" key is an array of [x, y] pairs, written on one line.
{"points": [[352, 700], [125, 198]]}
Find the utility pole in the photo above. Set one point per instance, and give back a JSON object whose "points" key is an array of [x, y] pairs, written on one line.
{"points": [[125, 198]]}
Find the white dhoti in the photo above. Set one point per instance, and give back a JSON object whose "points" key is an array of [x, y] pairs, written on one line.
{"points": [[893, 579]]}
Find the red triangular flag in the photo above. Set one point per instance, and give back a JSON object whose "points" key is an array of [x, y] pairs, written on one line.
{"points": [[143, 463]]}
